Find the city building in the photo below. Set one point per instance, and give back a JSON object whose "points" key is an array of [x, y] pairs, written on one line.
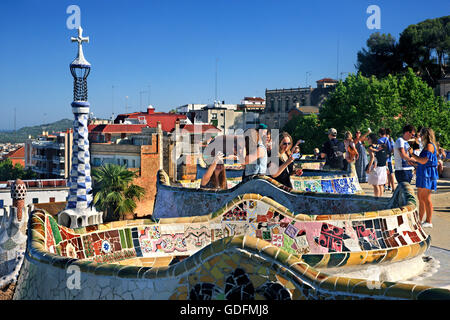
{"points": [[39, 191], [16, 156], [50, 155], [252, 104], [113, 133], [186, 108], [444, 87], [228, 117], [141, 152], [151, 118], [279, 102]]}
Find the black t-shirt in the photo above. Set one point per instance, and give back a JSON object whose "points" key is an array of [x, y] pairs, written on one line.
{"points": [[329, 148], [285, 175]]}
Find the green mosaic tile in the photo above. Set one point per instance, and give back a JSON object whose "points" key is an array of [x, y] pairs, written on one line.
{"points": [[55, 230]]}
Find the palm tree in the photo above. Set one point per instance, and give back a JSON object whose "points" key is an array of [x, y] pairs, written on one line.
{"points": [[113, 191]]}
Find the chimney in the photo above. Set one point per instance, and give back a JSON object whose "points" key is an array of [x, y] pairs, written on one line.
{"points": [[150, 109], [18, 194]]}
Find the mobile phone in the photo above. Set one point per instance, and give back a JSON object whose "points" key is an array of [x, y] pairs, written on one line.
{"points": [[296, 155]]}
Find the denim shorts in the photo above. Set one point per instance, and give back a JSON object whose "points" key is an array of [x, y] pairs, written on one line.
{"points": [[403, 175]]}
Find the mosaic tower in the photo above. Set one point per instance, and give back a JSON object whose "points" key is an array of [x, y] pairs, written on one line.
{"points": [[79, 202]]}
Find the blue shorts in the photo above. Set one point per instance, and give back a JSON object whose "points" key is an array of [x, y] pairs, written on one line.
{"points": [[403, 175]]}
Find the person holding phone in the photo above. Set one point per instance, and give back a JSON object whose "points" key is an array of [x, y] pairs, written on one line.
{"points": [[285, 168], [215, 177]]}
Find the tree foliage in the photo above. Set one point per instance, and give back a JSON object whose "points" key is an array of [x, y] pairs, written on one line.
{"points": [[114, 192], [424, 47], [306, 128], [361, 102], [380, 58], [8, 171]]}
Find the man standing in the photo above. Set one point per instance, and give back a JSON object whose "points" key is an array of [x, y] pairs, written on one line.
{"points": [[402, 155], [387, 141], [333, 151]]}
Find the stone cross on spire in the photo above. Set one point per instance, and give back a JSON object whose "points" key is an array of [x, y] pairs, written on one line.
{"points": [[80, 60]]}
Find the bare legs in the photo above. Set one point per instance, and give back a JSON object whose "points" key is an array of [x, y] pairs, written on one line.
{"points": [[378, 190], [425, 204]]}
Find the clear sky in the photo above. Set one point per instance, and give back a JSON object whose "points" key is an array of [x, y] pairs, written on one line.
{"points": [[172, 47]]}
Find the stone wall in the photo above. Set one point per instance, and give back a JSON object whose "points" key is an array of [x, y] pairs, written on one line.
{"points": [[150, 164]]}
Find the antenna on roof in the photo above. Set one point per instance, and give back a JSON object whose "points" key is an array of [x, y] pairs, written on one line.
{"points": [[112, 98], [215, 92]]}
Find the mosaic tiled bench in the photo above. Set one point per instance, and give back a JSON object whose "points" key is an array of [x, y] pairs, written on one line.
{"points": [[272, 251], [313, 179]]}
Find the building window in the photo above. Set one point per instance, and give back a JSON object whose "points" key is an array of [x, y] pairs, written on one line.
{"points": [[51, 199], [125, 162], [1, 204], [448, 96], [134, 163], [35, 200], [214, 116]]}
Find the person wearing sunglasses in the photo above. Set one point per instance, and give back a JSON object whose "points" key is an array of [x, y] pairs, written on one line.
{"points": [[282, 173]]}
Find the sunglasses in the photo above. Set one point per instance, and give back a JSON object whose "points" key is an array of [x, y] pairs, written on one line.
{"points": [[286, 143]]}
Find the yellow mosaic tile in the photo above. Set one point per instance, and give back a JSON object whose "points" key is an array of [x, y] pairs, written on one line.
{"points": [[402, 253], [216, 273]]}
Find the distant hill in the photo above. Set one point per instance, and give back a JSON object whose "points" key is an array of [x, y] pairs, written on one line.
{"points": [[22, 134]]}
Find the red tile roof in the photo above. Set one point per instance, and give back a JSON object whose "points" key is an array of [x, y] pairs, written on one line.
{"points": [[116, 128], [167, 119], [253, 99], [327, 80], [200, 128], [16, 154]]}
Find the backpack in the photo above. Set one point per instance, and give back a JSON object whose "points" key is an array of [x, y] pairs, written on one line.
{"points": [[382, 155], [336, 159]]}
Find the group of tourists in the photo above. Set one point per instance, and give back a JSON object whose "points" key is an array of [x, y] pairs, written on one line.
{"points": [[377, 165], [414, 151], [256, 155]]}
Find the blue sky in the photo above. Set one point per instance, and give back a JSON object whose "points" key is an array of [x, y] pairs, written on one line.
{"points": [[172, 46]]}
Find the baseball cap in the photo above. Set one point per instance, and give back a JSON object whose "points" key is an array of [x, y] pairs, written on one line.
{"points": [[332, 131], [262, 126]]}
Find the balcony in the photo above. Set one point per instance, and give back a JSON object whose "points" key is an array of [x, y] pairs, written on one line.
{"points": [[58, 159], [38, 157], [58, 172], [48, 145], [41, 170]]}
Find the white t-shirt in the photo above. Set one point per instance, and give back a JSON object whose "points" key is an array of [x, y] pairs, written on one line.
{"points": [[401, 164]]}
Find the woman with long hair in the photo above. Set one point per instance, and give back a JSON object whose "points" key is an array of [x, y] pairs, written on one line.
{"points": [[215, 177], [255, 157], [361, 160], [351, 154], [285, 168], [426, 175], [376, 169]]}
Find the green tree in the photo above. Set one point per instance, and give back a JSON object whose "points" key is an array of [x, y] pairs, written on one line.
{"points": [[361, 102], [8, 171], [114, 192], [425, 47], [306, 128], [380, 58]]}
